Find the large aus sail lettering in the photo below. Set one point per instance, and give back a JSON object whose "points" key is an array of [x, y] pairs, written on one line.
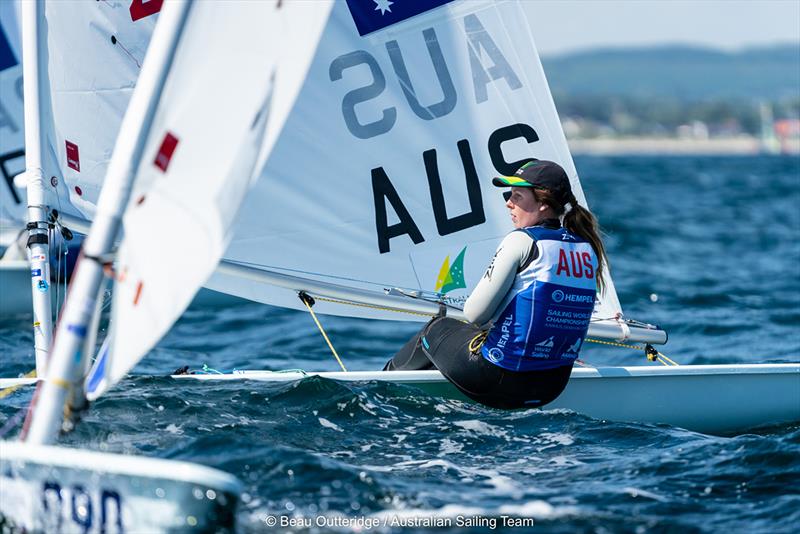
{"points": [[475, 216], [486, 61], [480, 40], [383, 190], [449, 99], [362, 94], [507, 133]]}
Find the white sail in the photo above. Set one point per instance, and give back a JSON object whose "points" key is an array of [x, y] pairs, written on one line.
{"points": [[381, 178], [93, 53], [222, 105]]}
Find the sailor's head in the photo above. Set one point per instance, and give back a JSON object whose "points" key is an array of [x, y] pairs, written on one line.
{"points": [[540, 189]]}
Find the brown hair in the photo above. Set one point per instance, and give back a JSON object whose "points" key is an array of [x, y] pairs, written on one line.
{"points": [[581, 222]]}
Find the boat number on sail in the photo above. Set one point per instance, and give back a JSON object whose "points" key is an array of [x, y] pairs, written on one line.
{"points": [[487, 65], [98, 510]]}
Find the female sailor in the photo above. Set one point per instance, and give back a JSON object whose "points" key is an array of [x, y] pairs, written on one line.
{"points": [[529, 314]]}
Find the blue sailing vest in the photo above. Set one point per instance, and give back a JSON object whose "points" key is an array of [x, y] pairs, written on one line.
{"points": [[546, 313]]}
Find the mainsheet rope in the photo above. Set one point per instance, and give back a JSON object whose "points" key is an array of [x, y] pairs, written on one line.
{"points": [[309, 302], [649, 351]]}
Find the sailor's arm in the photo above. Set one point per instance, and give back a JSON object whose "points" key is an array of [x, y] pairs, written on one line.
{"points": [[482, 304]]}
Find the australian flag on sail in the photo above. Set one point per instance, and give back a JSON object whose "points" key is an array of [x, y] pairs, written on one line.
{"points": [[374, 15]]}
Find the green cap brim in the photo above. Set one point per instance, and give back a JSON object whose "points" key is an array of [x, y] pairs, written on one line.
{"points": [[510, 181]]}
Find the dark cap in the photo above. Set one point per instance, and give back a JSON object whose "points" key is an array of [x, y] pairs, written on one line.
{"points": [[540, 174]]}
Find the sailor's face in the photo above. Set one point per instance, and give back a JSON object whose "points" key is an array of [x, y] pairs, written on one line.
{"points": [[525, 209]]}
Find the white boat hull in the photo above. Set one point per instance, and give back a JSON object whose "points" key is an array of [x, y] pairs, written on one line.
{"points": [[57, 489], [714, 399]]}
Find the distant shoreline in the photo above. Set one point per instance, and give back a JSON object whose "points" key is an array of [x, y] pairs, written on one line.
{"points": [[744, 145]]}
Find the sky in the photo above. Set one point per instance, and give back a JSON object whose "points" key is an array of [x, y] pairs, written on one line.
{"points": [[567, 25]]}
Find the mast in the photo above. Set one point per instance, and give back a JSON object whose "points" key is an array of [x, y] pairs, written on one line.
{"points": [[38, 240], [64, 372]]}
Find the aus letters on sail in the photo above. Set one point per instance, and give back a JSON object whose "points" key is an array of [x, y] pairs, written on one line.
{"points": [[448, 72]]}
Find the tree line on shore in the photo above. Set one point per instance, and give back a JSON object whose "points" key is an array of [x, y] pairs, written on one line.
{"points": [[675, 89], [596, 115]]}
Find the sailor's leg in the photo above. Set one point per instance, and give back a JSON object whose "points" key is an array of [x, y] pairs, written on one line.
{"points": [[447, 344], [411, 356]]}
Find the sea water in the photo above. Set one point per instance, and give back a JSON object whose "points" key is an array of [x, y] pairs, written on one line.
{"points": [[706, 247]]}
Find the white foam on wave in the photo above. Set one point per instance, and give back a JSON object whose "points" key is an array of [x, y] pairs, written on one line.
{"points": [[537, 509], [234, 421], [448, 446], [172, 428], [557, 438], [637, 492], [369, 408], [500, 483], [482, 428], [328, 424]]}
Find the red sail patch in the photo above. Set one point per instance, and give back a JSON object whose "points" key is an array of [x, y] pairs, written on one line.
{"points": [[73, 158], [144, 8], [164, 155]]}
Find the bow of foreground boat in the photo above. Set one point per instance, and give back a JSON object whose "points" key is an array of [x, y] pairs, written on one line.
{"points": [[47, 488], [714, 399]]}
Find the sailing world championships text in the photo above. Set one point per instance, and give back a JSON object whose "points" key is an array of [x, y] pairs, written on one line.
{"points": [[388, 521]]}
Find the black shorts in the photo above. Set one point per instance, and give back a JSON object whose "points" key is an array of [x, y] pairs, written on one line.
{"points": [[444, 344]]}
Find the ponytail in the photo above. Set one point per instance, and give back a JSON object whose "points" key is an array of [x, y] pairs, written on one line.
{"points": [[581, 222]]}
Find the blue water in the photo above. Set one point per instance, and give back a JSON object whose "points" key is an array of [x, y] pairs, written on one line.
{"points": [[707, 247]]}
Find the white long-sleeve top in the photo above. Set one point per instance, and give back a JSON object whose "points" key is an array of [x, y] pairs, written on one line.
{"points": [[513, 253]]}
